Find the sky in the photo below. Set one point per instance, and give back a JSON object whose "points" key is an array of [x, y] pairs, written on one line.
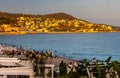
{"points": [[95, 11]]}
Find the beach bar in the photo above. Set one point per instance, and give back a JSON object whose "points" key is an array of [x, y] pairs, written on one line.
{"points": [[10, 68]]}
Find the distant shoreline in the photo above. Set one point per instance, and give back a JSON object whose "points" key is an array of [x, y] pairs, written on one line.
{"points": [[14, 33]]}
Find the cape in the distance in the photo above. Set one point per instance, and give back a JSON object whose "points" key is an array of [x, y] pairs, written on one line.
{"points": [[49, 23]]}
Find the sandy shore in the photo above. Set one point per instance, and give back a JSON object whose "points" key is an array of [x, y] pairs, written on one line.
{"points": [[57, 60]]}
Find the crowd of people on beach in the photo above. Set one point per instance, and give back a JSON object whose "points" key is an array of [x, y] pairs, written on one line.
{"points": [[21, 53], [30, 54]]}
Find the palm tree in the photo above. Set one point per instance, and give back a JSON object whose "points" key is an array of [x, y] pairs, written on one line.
{"points": [[38, 66]]}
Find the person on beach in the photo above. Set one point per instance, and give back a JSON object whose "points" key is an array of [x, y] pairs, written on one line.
{"points": [[94, 60], [70, 67]]}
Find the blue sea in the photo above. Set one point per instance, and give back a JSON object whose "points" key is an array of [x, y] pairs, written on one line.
{"points": [[75, 46]]}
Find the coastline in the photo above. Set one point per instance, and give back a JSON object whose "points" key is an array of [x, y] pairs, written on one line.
{"points": [[24, 33]]}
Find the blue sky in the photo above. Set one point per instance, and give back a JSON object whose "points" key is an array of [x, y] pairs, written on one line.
{"points": [[96, 11]]}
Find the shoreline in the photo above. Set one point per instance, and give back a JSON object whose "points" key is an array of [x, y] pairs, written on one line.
{"points": [[14, 33]]}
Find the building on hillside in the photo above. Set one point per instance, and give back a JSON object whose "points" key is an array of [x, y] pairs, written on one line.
{"points": [[8, 28], [42, 30]]}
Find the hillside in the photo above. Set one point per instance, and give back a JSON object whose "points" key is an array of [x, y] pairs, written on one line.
{"points": [[58, 16], [9, 18], [56, 22]]}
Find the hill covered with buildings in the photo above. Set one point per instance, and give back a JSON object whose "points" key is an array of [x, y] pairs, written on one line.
{"points": [[49, 23]]}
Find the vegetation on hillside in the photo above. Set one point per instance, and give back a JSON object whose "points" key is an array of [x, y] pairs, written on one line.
{"points": [[57, 22]]}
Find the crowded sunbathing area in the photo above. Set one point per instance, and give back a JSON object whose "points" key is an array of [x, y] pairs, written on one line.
{"points": [[17, 62]]}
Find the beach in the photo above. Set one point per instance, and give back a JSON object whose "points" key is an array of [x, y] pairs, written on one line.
{"points": [[19, 61]]}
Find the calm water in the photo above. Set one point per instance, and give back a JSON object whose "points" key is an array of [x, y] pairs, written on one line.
{"points": [[76, 46]]}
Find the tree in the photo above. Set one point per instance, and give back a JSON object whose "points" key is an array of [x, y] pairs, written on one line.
{"points": [[63, 68], [38, 66]]}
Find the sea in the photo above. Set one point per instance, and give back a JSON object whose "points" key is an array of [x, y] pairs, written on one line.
{"points": [[77, 46]]}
